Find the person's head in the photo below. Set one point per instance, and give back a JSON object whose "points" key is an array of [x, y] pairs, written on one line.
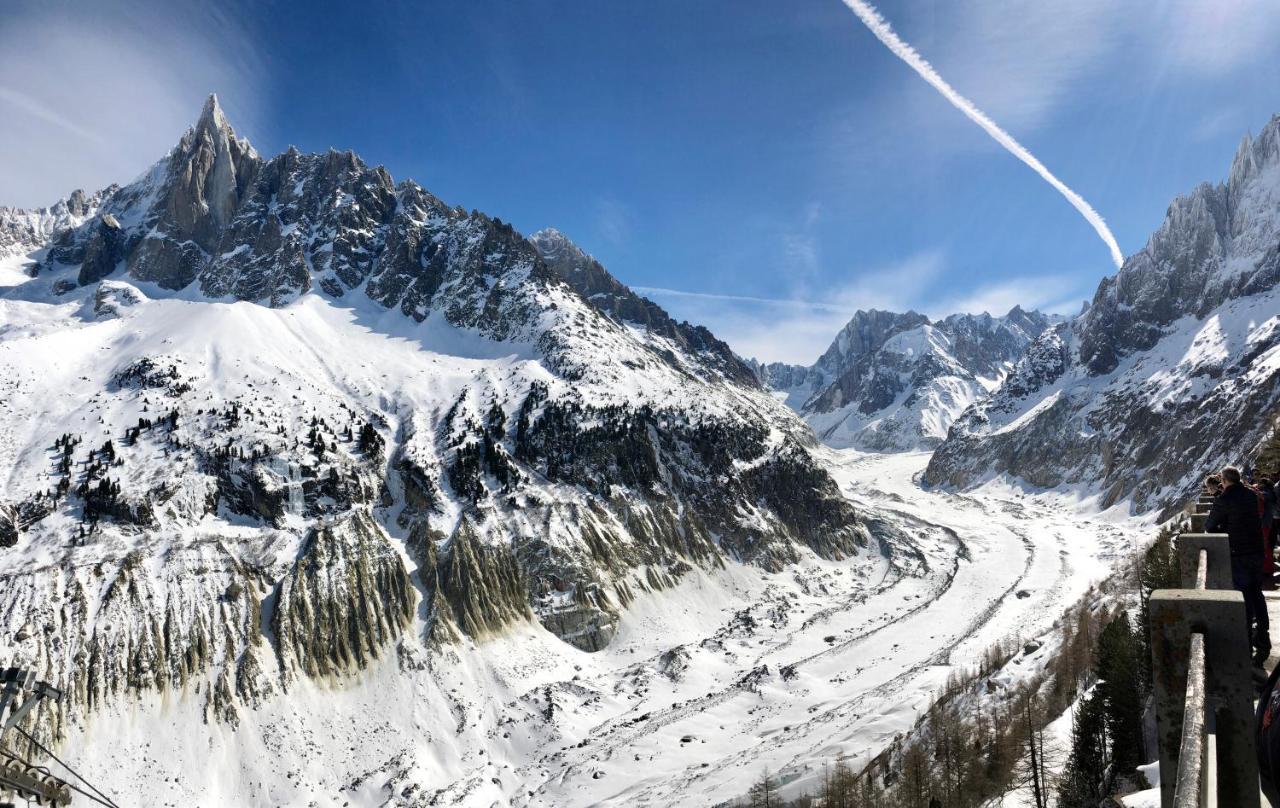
{"points": [[1231, 476], [1213, 483]]}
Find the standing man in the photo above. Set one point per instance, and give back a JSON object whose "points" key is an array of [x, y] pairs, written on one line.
{"points": [[1235, 512]]}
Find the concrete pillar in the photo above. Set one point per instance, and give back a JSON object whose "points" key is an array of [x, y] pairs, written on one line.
{"points": [[1202, 507], [1219, 615], [1219, 547], [1198, 521]]}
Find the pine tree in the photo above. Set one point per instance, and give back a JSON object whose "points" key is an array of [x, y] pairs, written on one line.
{"points": [[839, 786], [1035, 750], [1119, 686], [951, 752], [1158, 570], [1083, 783], [915, 784]]}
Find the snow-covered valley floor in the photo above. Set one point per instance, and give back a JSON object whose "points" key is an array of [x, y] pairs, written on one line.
{"points": [[704, 688]]}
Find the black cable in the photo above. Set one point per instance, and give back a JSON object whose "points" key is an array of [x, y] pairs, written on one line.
{"points": [[48, 774], [105, 800], [90, 796]]}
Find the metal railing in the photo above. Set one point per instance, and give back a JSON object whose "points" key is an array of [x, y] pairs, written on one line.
{"points": [[1202, 669]]}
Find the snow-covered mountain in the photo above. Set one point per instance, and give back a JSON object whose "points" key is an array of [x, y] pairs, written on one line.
{"points": [[266, 423], [1173, 369], [649, 321], [895, 382], [22, 231]]}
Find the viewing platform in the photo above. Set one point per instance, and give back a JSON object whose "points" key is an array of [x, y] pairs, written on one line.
{"points": [[1205, 683]]}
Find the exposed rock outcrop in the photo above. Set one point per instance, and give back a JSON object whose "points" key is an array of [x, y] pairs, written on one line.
{"points": [[346, 598]]}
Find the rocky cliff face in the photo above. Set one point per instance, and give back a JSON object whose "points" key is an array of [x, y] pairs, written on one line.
{"points": [[895, 382], [1172, 369], [268, 421]]}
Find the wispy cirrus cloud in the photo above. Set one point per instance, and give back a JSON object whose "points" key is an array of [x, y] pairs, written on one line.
{"points": [[798, 330], [614, 220]]}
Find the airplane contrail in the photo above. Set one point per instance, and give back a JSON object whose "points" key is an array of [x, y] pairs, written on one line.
{"points": [[885, 33]]}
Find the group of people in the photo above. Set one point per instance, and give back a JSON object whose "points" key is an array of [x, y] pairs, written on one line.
{"points": [[1245, 508]]}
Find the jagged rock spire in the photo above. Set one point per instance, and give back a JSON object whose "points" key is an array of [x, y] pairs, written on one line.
{"points": [[213, 164], [213, 122]]}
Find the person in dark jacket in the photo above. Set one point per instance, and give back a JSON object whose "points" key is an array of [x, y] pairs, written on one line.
{"points": [[1235, 512]]}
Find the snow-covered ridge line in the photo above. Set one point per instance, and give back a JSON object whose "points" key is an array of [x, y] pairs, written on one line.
{"points": [[895, 382]]}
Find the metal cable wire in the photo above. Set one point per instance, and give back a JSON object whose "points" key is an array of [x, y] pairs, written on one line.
{"points": [[101, 798], [29, 767]]}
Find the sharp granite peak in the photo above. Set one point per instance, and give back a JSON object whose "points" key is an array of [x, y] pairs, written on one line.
{"points": [[1174, 367], [896, 381], [270, 422]]}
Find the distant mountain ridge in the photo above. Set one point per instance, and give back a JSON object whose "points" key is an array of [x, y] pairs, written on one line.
{"points": [[895, 381]]}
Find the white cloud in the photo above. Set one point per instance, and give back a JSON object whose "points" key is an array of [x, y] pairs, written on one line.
{"points": [[96, 97], [883, 32], [1018, 59], [801, 249], [1232, 119], [1213, 39], [1044, 292], [774, 302], [1024, 61]]}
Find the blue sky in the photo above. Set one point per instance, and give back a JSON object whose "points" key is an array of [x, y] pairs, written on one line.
{"points": [[763, 168]]}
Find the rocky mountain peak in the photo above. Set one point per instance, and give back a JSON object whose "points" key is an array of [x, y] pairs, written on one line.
{"points": [[552, 243], [1255, 154], [1211, 247], [867, 331], [895, 381], [215, 165], [588, 277], [214, 124], [1171, 369], [354, 373]]}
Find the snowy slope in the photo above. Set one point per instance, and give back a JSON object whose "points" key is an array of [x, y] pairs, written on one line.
{"points": [[1173, 369], [318, 491], [268, 424], [707, 684], [895, 382]]}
